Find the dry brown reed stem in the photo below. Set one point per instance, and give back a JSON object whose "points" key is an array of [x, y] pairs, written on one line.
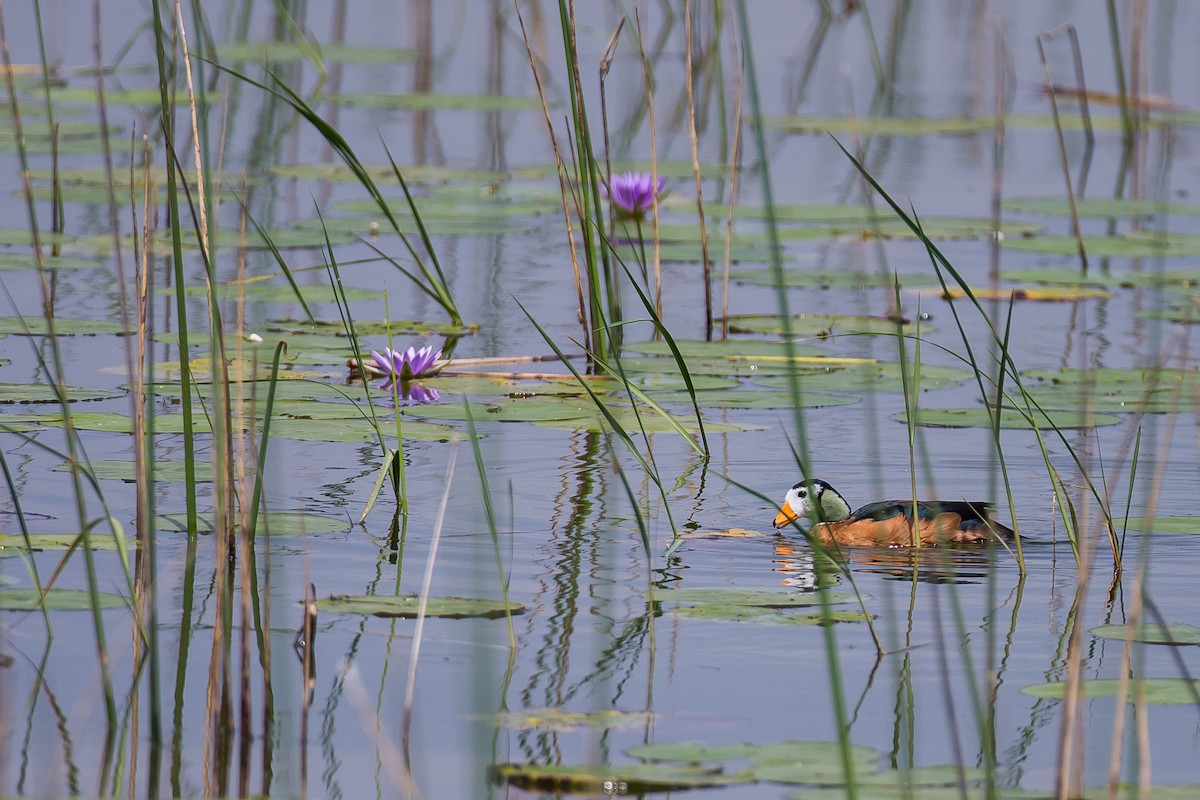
{"points": [[648, 77], [689, 83], [734, 159], [1118, 733], [187, 70], [606, 59], [560, 170], [1062, 151]]}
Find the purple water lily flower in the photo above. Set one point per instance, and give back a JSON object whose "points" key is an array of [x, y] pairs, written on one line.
{"points": [[633, 193], [402, 366]]}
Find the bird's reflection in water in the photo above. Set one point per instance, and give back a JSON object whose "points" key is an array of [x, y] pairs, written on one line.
{"points": [[962, 563]]}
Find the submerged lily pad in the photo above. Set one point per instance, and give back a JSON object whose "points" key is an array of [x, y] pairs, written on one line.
{"points": [[735, 349], [407, 605], [358, 429], [1151, 633], [1010, 419], [383, 173], [767, 615], [632, 779], [120, 423], [836, 279], [652, 421], [692, 752], [43, 393], [559, 719], [814, 212], [1073, 277], [24, 261], [811, 762], [277, 523], [56, 599], [1158, 691]]}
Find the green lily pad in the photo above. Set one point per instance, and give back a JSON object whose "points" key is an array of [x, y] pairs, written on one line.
{"points": [[691, 752], [60, 541], [1045, 294], [751, 398], [1114, 376], [1118, 207], [120, 423], [1151, 633], [407, 606], [1010, 419], [1106, 246], [810, 762], [815, 213], [281, 292], [1123, 398], [277, 523], [425, 101], [368, 327], [265, 52], [43, 393], [117, 97], [632, 779], [1164, 524], [56, 599], [897, 789], [886, 126], [736, 349], [953, 228], [652, 421], [359, 429], [837, 279], [1073, 277], [763, 598], [1182, 313], [25, 261], [297, 237], [821, 325], [164, 470], [1158, 691], [520, 410], [63, 326], [872, 377], [383, 173], [766, 615], [559, 719]]}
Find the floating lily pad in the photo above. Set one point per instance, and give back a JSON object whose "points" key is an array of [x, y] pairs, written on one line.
{"points": [[752, 398], [889, 126], [837, 279], [164, 470], [1123, 398], [1182, 313], [692, 752], [953, 228], [763, 598], [821, 325], [282, 292], [43, 393], [1055, 294], [1010, 419], [1114, 376], [1151, 633], [652, 421], [723, 348], [632, 779], [121, 423], [1165, 524], [522, 410], [559, 719], [298, 237], [872, 377], [810, 762], [436, 100], [25, 261], [1106, 246], [1119, 207], [767, 615], [368, 327], [56, 599], [815, 213], [897, 789], [63, 326], [407, 605], [60, 541], [726, 533], [358, 429], [276, 52], [87, 94], [1073, 277], [1158, 691], [277, 523], [383, 173]]}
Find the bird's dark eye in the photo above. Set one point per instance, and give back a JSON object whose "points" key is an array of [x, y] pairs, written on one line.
{"points": [[803, 493]]}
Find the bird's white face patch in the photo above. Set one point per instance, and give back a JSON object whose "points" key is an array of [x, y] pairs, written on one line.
{"points": [[803, 498]]}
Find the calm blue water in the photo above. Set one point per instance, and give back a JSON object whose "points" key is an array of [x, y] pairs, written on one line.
{"points": [[569, 542]]}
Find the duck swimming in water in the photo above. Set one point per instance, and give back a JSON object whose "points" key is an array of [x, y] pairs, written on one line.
{"points": [[888, 523]]}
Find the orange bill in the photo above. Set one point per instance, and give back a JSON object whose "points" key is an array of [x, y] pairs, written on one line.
{"points": [[785, 517]]}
